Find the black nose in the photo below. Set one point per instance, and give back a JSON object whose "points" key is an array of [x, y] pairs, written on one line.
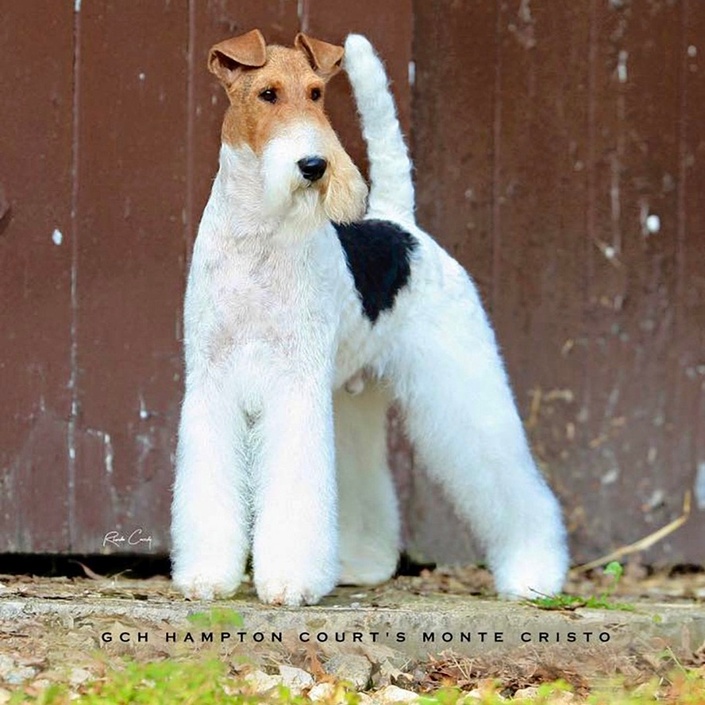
{"points": [[312, 168]]}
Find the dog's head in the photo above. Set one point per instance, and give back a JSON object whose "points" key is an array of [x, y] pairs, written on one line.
{"points": [[276, 110]]}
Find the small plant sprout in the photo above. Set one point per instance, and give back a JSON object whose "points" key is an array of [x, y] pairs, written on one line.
{"points": [[614, 570]]}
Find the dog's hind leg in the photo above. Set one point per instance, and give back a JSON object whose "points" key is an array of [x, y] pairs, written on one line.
{"points": [[210, 516], [464, 425], [368, 513]]}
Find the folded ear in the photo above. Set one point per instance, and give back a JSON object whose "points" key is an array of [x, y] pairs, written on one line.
{"points": [[225, 58], [324, 58]]}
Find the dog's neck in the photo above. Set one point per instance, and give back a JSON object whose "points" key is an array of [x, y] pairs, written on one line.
{"points": [[249, 208]]}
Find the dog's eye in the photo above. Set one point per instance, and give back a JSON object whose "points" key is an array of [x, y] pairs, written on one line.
{"points": [[315, 93], [269, 95]]}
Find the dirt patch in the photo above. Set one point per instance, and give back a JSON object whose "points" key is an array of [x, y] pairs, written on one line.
{"points": [[683, 584]]}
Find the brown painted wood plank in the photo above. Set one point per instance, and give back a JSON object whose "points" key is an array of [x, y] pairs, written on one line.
{"points": [[583, 148], [690, 278], [630, 469], [540, 190], [453, 114], [35, 287], [132, 211]]}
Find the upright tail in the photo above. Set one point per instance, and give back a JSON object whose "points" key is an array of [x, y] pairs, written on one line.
{"points": [[391, 188]]}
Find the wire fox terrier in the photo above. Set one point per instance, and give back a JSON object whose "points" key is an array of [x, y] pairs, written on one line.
{"points": [[305, 317]]}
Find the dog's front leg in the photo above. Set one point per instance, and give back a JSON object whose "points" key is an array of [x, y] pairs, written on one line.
{"points": [[295, 545], [209, 528]]}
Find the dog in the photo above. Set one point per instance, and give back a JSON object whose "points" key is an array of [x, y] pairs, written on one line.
{"points": [[307, 313]]}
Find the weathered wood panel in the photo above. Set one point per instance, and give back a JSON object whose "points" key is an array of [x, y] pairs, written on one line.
{"points": [[558, 155], [690, 274], [454, 161], [627, 410], [36, 240], [593, 157], [131, 112]]}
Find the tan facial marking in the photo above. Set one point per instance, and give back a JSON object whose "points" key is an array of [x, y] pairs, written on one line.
{"points": [[271, 86], [288, 78]]}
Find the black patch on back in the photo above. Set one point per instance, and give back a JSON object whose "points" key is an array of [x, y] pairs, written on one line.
{"points": [[378, 253]]}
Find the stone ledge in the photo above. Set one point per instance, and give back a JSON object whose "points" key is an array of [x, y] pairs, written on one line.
{"points": [[399, 624]]}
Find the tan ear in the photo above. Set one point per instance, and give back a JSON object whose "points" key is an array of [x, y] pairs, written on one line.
{"points": [[225, 58], [324, 58]]}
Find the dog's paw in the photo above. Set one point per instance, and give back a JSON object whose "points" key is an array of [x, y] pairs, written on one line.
{"points": [[290, 593], [540, 576], [204, 587], [368, 567], [365, 577], [514, 594], [528, 587]]}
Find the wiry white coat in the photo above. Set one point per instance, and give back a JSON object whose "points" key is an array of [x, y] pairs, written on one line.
{"points": [[442, 363], [274, 329], [255, 460]]}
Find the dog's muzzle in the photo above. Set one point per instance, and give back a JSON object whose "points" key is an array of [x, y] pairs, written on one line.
{"points": [[312, 168]]}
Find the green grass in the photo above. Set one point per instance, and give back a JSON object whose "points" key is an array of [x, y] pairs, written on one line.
{"points": [[603, 601], [203, 682], [216, 618], [209, 682]]}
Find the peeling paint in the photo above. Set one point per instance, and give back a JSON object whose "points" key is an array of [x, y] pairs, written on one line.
{"points": [[302, 13], [144, 412], [145, 443], [615, 200], [657, 499], [523, 30], [653, 223], [610, 253], [57, 237], [412, 73], [109, 453], [609, 478], [622, 73], [699, 489], [650, 222], [108, 450], [643, 215]]}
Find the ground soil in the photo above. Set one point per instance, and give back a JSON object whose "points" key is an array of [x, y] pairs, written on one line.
{"points": [[60, 649]]}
